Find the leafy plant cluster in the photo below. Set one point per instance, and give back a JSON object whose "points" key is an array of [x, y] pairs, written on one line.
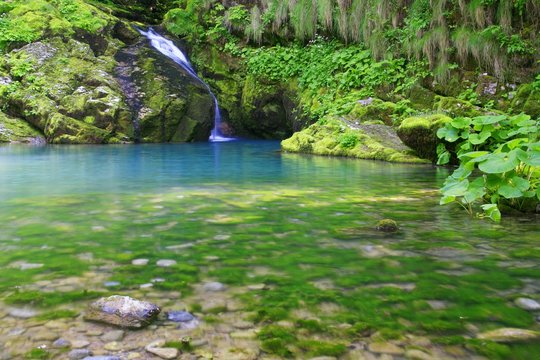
{"points": [[331, 76], [499, 162]]}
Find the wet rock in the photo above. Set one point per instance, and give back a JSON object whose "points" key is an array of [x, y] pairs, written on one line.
{"points": [[255, 287], [166, 263], [102, 357], [179, 316], [323, 358], [111, 283], [385, 348], [29, 266], [415, 354], [113, 346], [114, 335], [387, 225], [437, 304], [78, 354], [527, 304], [509, 335], [122, 311], [139, 262], [213, 286], [22, 313], [79, 344], [61, 343], [157, 349], [146, 286]]}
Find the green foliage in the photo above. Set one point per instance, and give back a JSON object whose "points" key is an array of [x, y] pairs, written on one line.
{"points": [[24, 21], [506, 152], [348, 140], [38, 354], [332, 76]]}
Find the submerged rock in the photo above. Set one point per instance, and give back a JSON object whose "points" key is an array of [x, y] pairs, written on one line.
{"points": [[157, 348], [166, 263], [213, 286], [122, 311], [509, 335], [527, 304], [78, 354], [387, 225], [179, 316]]}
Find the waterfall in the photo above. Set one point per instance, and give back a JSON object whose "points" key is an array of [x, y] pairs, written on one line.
{"points": [[167, 48]]}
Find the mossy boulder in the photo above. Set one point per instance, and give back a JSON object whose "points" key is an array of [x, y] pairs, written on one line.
{"points": [[527, 100], [168, 104], [250, 106], [15, 130], [420, 134], [55, 81], [339, 137], [373, 111], [455, 107]]}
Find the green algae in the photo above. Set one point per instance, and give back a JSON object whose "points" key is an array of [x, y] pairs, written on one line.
{"points": [[329, 273]]}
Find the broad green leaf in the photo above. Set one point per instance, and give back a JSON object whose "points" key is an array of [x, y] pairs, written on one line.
{"points": [[531, 158], [538, 193], [480, 138], [444, 158], [455, 187], [447, 200], [449, 134], [461, 122], [488, 119], [518, 120], [473, 155], [510, 192], [492, 212], [499, 163], [512, 144], [520, 183], [475, 191], [462, 172]]}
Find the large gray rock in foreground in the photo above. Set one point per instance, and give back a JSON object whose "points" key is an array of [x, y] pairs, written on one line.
{"points": [[122, 311]]}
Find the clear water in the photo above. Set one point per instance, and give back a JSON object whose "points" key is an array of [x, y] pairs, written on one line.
{"points": [[292, 237]]}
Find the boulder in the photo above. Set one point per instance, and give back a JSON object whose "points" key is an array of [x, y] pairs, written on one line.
{"points": [[340, 137], [122, 311], [510, 335], [420, 134], [167, 103]]}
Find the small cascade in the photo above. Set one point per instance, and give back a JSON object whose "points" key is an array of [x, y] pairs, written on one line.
{"points": [[167, 48]]}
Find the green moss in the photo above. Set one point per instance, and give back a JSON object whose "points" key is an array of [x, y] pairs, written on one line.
{"points": [[38, 354], [377, 110], [490, 349], [49, 299], [276, 346], [420, 134], [387, 225], [322, 348], [337, 138], [16, 130], [527, 100], [454, 107]]}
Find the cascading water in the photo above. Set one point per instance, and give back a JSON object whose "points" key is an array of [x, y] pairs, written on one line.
{"points": [[167, 48]]}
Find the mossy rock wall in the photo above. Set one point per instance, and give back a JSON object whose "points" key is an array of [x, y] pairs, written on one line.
{"points": [[420, 134], [13, 130], [168, 104]]}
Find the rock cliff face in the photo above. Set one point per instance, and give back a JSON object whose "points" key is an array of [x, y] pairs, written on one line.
{"points": [[98, 86], [168, 105]]}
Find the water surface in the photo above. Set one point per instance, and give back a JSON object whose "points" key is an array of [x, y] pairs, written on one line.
{"points": [[291, 237]]}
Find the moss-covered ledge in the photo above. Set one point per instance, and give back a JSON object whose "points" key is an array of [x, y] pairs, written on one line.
{"points": [[334, 136]]}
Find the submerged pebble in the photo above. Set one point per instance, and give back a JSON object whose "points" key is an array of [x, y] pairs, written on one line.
{"points": [[122, 311], [22, 313], [213, 286], [166, 262], [139, 262], [77, 354], [527, 304], [179, 316]]}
